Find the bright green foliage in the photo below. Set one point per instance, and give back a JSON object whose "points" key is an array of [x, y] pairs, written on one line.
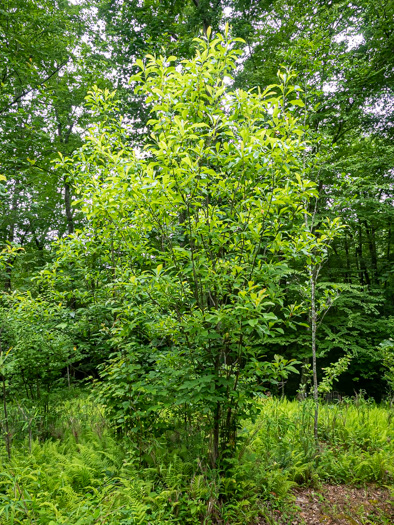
{"points": [[332, 373], [280, 369], [342, 52], [202, 227], [135, 28], [83, 475], [186, 281], [342, 55], [53, 53], [8, 254], [355, 436]]}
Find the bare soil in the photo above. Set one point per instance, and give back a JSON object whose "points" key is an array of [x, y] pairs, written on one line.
{"points": [[338, 505]]}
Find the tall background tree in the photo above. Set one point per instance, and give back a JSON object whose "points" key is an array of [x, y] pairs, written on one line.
{"points": [[47, 67]]}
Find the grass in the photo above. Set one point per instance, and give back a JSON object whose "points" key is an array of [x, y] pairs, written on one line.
{"points": [[75, 470]]}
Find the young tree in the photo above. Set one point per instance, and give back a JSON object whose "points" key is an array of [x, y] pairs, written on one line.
{"points": [[321, 236], [201, 229]]}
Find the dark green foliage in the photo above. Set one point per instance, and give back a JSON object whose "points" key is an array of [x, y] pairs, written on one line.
{"points": [[38, 346]]}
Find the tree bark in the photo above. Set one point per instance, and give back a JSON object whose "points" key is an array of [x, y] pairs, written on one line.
{"points": [[348, 272], [67, 202], [372, 250], [364, 276], [215, 436], [7, 435], [314, 364], [205, 21]]}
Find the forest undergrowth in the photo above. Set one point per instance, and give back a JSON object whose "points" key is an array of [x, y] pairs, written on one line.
{"points": [[68, 466]]}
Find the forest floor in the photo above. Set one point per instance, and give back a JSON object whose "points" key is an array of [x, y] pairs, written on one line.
{"points": [[69, 467], [338, 505]]}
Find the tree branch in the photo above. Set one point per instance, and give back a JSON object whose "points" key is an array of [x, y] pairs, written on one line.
{"points": [[27, 91]]}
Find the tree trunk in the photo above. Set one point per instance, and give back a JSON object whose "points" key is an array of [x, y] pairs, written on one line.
{"points": [[11, 235], [215, 436], [7, 435], [363, 268], [372, 250], [314, 366], [67, 202], [6, 423], [348, 272]]}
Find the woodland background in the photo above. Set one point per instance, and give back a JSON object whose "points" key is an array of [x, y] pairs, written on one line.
{"points": [[196, 262], [342, 52]]}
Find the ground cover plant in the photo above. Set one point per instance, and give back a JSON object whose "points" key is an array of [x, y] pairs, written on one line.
{"points": [[82, 472]]}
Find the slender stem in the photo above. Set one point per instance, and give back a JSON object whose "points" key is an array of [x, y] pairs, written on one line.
{"points": [[314, 367], [7, 427]]}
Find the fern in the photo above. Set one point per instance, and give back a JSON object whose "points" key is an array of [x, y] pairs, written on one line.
{"points": [[198, 487], [138, 512], [95, 482]]}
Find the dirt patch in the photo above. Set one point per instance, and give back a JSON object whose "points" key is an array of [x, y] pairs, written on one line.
{"points": [[344, 505]]}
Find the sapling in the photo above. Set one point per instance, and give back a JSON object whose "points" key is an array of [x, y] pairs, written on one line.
{"points": [[323, 235], [207, 223]]}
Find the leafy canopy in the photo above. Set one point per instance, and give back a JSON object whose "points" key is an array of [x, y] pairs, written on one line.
{"points": [[202, 229]]}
